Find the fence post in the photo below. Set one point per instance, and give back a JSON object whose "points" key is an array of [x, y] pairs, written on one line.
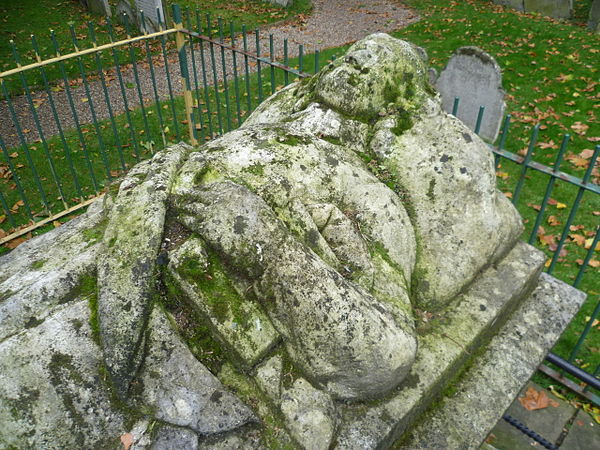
{"points": [[185, 75]]}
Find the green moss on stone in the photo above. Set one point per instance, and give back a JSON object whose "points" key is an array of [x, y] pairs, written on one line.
{"points": [[256, 169], [273, 433], [38, 264], [218, 290]]}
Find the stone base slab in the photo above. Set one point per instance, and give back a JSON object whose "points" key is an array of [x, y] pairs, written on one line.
{"points": [[464, 418]]}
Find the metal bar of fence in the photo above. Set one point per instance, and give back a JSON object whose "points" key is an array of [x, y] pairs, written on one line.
{"points": [[224, 73], [100, 70], [526, 161], [258, 68], [163, 45], [246, 70], [204, 78], [214, 73], [25, 147], [59, 127], [286, 75], [574, 208], [236, 85], [122, 88], [549, 189], [17, 179], [150, 63], [272, 54], [87, 51], [136, 77], [90, 103], [503, 136], [38, 126]]}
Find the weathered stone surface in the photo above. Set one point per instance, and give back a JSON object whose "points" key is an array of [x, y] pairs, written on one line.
{"points": [[51, 391], [154, 13], [584, 433], [559, 9], [127, 262], [594, 20], [456, 238], [474, 77], [237, 322], [309, 214], [446, 342], [100, 7], [181, 391], [44, 272], [174, 438], [464, 419], [309, 414], [268, 378], [308, 302]]}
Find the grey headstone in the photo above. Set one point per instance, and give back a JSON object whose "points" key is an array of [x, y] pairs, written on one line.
{"points": [[284, 3], [558, 9], [515, 4], [100, 7], [151, 8], [594, 22], [475, 78]]}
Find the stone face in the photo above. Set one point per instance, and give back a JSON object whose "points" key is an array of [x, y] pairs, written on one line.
{"points": [[127, 262], [558, 9], [594, 20], [181, 390], [474, 77]]}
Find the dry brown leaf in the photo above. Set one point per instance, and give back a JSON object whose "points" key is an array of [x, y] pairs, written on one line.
{"points": [[533, 400], [553, 221], [127, 440], [578, 239]]}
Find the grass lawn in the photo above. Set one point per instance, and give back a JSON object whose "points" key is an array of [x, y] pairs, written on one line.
{"points": [[19, 20]]}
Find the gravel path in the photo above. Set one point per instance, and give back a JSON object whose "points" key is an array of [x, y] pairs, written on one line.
{"points": [[332, 23]]}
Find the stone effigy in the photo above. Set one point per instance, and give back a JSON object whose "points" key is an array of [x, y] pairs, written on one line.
{"points": [[312, 279]]}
